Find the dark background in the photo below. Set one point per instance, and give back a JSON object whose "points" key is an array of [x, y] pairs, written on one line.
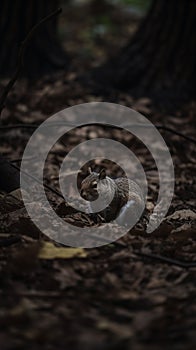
{"points": [[140, 54]]}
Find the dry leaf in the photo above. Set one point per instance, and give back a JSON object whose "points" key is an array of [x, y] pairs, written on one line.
{"points": [[50, 251]]}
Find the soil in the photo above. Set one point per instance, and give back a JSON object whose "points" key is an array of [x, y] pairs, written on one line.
{"points": [[124, 295]]}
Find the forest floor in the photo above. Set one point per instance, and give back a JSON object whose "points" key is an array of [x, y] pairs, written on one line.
{"points": [[109, 297]]}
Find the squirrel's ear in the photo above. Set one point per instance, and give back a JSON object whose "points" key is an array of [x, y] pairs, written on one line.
{"points": [[102, 174], [89, 170]]}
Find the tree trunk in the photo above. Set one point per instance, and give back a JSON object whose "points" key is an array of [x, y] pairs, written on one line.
{"points": [[160, 59], [44, 53]]}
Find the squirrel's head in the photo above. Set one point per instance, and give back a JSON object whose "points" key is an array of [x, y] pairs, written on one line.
{"points": [[89, 186]]}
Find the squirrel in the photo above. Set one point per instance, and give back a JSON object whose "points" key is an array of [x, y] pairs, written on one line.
{"points": [[127, 204]]}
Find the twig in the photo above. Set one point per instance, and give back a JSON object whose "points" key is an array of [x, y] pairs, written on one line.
{"points": [[188, 138], [34, 126], [167, 260], [6, 242], [38, 181], [35, 294], [91, 236], [159, 127], [19, 160], [163, 127], [19, 126], [23, 45]]}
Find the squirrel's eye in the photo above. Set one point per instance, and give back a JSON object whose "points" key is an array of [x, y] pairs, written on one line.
{"points": [[94, 185]]}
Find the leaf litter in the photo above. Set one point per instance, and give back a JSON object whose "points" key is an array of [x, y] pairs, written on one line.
{"points": [[107, 298]]}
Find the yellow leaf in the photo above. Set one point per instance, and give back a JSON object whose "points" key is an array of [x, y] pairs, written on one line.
{"points": [[50, 251]]}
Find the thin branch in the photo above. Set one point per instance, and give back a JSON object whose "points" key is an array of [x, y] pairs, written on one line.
{"points": [[18, 126], [6, 242], [22, 49], [35, 126], [93, 236], [159, 127], [188, 138], [34, 294], [167, 260], [163, 127], [38, 181], [18, 160]]}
